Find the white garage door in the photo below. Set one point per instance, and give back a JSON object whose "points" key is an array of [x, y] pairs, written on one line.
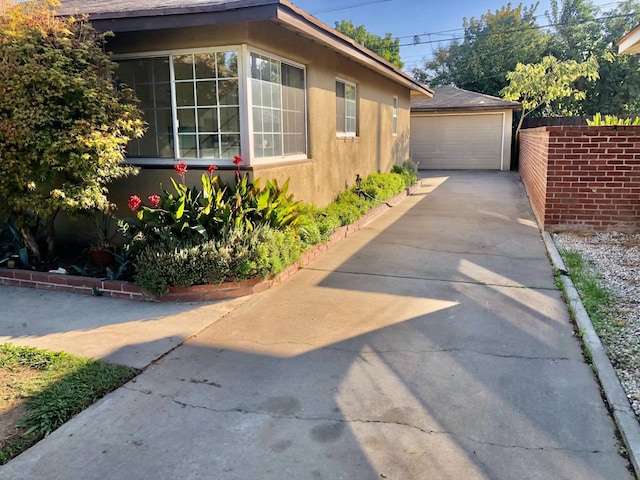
{"points": [[471, 141]]}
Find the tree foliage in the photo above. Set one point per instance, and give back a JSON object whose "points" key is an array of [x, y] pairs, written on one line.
{"points": [[491, 46], [387, 47], [578, 30], [64, 124], [551, 80]]}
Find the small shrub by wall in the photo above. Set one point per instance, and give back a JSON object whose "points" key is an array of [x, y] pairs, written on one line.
{"points": [[582, 178]]}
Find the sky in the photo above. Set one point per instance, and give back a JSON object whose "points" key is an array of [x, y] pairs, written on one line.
{"points": [[431, 20]]}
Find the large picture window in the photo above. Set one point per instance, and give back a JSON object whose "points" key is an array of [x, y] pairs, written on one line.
{"points": [[278, 107], [194, 111], [346, 109]]}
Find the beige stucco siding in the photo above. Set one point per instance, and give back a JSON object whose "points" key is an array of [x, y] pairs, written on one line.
{"points": [[462, 140], [332, 162]]}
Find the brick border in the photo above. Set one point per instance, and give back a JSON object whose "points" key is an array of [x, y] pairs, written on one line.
{"points": [[196, 293]]}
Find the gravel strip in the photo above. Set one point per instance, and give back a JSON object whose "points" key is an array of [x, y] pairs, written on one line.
{"points": [[616, 257]]}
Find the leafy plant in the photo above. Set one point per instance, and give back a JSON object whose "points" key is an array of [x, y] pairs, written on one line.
{"points": [[13, 244], [191, 215], [612, 120], [408, 170], [64, 123], [106, 228]]}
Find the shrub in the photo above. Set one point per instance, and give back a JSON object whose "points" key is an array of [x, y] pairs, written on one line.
{"points": [[408, 170], [239, 255], [64, 124]]}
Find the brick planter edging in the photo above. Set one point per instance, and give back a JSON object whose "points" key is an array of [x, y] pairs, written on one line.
{"points": [[196, 293]]}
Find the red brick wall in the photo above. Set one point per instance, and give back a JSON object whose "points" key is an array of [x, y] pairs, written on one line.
{"points": [[583, 178]]}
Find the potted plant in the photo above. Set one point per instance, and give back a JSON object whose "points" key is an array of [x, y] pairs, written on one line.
{"points": [[101, 252]]}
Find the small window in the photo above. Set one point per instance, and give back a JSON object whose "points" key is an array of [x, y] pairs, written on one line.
{"points": [[395, 116], [346, 111]]}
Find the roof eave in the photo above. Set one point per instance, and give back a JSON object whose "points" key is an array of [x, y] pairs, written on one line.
{"points": [[279, 11], [630, 43], [515, 108], [300, 20]]}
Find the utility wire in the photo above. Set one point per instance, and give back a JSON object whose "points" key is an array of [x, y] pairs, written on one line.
{"points": [[347, 7], [516, 30]]}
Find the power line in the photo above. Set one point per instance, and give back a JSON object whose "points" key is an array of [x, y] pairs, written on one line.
{"points": [[347, 7], [515, 30]]}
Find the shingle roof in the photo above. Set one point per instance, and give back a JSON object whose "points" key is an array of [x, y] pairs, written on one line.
{"points": [[98, 8], [454, 98]]}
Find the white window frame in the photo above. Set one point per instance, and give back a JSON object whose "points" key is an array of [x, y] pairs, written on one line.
{"points": [[242, 88], [245, 104], [394, 124], [342, 132], [249, 99], [210, 160]]}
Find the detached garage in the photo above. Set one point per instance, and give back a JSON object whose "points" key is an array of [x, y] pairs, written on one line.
{"points": [[459, 129]]}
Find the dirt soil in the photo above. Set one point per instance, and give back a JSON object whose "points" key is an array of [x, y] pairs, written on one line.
{"points": [[13, 401]]}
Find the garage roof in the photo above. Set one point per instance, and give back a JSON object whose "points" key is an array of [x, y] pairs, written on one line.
{"points": [[448, 98]]}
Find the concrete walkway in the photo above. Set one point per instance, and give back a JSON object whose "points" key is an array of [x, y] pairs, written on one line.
{"points": [[433, 344]]}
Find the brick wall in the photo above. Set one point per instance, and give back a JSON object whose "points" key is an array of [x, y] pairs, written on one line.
{"points": [[582, 178]]}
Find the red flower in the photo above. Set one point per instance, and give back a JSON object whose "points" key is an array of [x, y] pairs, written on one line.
{"points": [[134, 202], [181, 168], [212, 168], [237, 160], [155, 200]]}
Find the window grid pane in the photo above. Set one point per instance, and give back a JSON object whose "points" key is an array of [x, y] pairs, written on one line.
{"points": [[149, 79], [207, 104], [278, 105]]}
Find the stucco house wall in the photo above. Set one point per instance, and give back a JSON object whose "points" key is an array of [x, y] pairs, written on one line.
{"points": [[332, 162]]}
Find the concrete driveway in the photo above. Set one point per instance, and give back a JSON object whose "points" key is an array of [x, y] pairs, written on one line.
{"points": [[433, 344]]}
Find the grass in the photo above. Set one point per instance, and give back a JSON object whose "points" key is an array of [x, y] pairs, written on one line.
{"points": [[40, 390], [597, 300]]}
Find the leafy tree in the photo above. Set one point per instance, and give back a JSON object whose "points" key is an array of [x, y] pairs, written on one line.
{"points": [[64, 124], [538, 85], [491, 46], [618, 90], [387, 47], [577, 29]]}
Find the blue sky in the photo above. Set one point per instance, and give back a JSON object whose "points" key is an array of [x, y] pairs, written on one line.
{"points": [[407, 18]]}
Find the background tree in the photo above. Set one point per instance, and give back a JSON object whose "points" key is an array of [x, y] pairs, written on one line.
{"points": [[387, 47], [491, 46], [578, 30], [617, 91], [541, 84], [64, 124]]}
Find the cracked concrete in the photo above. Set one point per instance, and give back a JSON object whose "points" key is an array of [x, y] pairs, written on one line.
{"points": [[431, 344]]}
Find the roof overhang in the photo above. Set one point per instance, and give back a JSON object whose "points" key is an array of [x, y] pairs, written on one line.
{"points": [[630, 43], [490, 108], [282, 12]]}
